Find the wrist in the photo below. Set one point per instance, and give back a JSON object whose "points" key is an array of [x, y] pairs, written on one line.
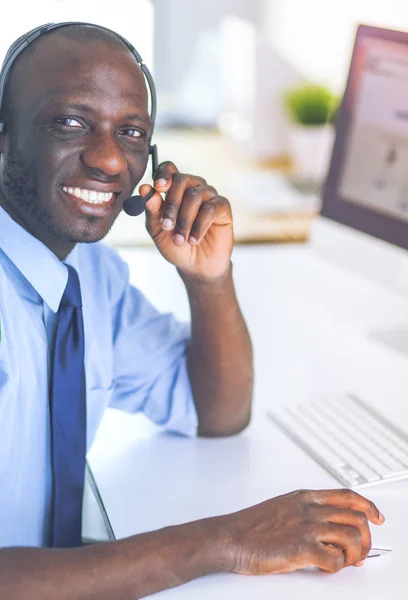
{"points": [[218, 281], [218, 541]]}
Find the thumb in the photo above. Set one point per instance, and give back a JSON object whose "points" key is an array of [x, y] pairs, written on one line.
{"points": [[153, 208]]}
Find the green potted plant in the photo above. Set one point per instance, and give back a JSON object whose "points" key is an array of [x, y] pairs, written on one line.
{"points": [[311, 110]]}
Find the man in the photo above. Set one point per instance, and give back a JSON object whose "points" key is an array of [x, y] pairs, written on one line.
{"points": [[74, 146]]}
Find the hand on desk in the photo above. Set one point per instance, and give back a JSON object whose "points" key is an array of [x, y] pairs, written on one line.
{"points": [[324, 529]]}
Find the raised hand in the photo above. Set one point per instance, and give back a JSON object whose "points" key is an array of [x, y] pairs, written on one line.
{"points": [[192, 227]]}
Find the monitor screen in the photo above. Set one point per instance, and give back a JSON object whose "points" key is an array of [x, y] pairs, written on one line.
{"points": [[367, 184]]}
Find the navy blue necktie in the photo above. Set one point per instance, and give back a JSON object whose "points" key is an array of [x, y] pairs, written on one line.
{"points": [[68, 418]]}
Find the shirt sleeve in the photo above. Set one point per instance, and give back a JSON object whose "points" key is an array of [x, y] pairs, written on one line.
{"points": [[149, 361]]}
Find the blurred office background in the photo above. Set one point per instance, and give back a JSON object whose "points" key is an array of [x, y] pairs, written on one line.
{"points": [[233, 79]]}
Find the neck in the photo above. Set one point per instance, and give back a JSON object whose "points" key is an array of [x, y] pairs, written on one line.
{"points": [[57, 246]]}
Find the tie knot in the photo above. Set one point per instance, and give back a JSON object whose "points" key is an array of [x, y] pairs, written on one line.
{"points": [[72, 294]]}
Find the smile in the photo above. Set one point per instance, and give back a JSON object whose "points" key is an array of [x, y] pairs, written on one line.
{"points": [[89, 196]]}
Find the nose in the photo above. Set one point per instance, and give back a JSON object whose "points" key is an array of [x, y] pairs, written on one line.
{"points": [[103, 152]]}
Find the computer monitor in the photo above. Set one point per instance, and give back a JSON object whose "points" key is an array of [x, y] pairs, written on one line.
{"points": [[367, 183]]}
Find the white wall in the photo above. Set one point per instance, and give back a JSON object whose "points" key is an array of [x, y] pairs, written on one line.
{"points": [[316, 36], [188, 62], [131, 18]]}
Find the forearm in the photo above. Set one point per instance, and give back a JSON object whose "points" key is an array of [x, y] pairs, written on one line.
{"points": [[127, 569], [219, 357]]}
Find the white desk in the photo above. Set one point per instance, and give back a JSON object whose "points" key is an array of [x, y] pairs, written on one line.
{"points": [[309, 328]]}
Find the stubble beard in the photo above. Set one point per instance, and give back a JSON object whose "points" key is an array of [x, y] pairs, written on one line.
{"points": [[20, 185]]}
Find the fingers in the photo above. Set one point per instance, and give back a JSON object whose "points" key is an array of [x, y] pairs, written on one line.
{"points": [[349, 499], [209, 213], [195, 214], [167, 176], [347, 514], [163, 176], [352, 518], [344, 537], [155, 203], [190, 208], [327, 558], [192, 213], [196, 217], [183, 201]]}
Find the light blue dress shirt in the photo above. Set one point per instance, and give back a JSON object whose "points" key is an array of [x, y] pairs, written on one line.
{"points": [[135, 360]]}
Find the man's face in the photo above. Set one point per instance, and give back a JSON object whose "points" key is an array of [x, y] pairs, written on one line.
{"points": [[78, 144]]}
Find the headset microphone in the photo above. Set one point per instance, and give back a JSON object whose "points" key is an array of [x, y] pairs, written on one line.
{"points": [[135, 205]]}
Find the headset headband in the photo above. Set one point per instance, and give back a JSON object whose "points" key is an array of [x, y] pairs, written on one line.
{"points": [[20, 45]]}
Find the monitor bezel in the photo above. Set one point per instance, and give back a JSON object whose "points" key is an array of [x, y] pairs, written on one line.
{"points": [[380, 225]]}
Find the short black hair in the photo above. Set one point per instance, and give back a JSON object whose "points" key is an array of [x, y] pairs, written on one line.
{"points": [[79, 32]]}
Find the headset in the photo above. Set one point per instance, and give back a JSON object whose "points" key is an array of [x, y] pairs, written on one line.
{"points": [[134, 205]]}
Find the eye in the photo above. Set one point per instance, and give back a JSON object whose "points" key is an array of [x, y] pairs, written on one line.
{"points": [[69, 122], [133, 133]]}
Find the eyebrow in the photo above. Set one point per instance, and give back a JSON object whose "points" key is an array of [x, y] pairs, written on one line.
{"points": [[87, 109]]}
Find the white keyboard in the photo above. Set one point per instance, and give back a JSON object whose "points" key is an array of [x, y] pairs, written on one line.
{"points": [[348, 438]]}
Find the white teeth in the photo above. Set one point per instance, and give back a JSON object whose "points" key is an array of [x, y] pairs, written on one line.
{"points": [[90, 196]]}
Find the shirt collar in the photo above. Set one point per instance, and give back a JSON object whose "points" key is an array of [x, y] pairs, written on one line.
{"points": [[42, 269]]}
